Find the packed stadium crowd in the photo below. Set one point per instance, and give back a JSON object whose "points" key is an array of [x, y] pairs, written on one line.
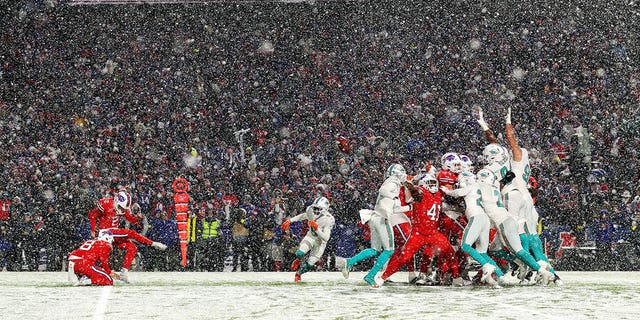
{"points": [[262, 107]]}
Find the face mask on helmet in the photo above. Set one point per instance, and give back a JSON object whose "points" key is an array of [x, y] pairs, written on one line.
{"points": [[396, 170], [430, 183], [320, 204], [121, 202], [106, 235], [466, 163]]}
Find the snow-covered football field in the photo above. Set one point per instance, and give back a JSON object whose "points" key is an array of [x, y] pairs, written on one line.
{"points": [[321, 295]]}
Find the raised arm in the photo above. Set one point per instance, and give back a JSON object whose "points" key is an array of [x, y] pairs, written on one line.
{"points": [[511, 138], [483, 124]]}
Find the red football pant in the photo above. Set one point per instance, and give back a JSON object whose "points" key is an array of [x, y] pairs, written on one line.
{"points": [[438, 244], [401, 233], [122, 239], [98, 275]]}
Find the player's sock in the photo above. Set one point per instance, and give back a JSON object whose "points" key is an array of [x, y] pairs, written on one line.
{"points": [[305, 268], [473, 253], [295, 265], [380, 262], [346, 268], [502, 255], [524, 240], [528, 259], [363, 255], [535, 246]]}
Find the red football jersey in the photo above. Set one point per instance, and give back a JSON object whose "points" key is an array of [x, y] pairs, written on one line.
{"points": [[424, 218], [92, 251], [105, 216], [446, 177]]}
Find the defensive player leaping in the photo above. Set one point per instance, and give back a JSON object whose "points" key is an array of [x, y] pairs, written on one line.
{"points": [[107, 216], [321, 222], [518, 200], [500, 168]]}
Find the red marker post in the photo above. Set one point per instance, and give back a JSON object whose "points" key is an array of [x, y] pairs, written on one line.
{"points": [[181, 203]]}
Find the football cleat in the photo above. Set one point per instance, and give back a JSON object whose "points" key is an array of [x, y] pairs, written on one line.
{"points": [[345, 271], [124, 276], [159, 246], [297, 278], [558, 281], [522, 270], [491, 282], [372, 282], [545, 276], [84, 281], [459, 282], [487, 271], [421, 279], [412, 277]]}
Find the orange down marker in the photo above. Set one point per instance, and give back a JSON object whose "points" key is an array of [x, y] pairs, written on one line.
{"points": [[181, 202]]}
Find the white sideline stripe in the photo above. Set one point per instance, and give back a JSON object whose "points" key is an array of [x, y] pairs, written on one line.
{"points": [[101, 306]]}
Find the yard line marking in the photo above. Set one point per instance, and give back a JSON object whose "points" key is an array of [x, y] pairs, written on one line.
{"points": [[101, 306]]}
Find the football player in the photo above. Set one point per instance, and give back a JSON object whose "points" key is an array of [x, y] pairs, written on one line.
{"points": [[83, 268], [478, 226], [382, 240], [424, 232], [518, 200], [107, 215], [320, 222]]}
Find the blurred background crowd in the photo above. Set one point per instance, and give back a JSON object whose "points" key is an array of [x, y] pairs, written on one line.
{"points": [[261, 106]]}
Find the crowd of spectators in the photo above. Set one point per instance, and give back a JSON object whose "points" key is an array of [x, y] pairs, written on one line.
{"points": [[95, 97]]}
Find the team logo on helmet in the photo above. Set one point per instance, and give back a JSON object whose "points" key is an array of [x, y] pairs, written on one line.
{"points": [[122, 202], [451, 161], [106, 235]]}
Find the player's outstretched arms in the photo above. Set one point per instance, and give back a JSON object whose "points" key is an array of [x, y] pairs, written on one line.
{"points": [[485, 127], [511, 138]]}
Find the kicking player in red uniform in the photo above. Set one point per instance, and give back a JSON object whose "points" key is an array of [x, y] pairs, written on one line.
{"points": [[107, 216], [82, 262]]}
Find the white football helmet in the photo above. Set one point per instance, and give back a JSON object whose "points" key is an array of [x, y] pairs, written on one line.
{"points": [[486, 176], [396, 170], [466, 163], [121, 202], [106, 235], [429, 182], [451, 162], [495, 153], [321, 203]]}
